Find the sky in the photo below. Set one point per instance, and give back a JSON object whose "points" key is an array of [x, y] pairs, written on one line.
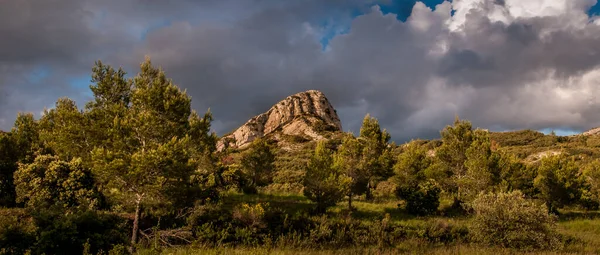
{"points": [[502, 64]]}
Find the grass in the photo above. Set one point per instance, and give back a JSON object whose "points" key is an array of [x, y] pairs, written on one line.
{"points": [[289, 203], [581, 228], [408, 247]]}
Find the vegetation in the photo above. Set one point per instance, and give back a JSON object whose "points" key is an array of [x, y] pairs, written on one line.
{"points": [[510, 220], [137, 171]]}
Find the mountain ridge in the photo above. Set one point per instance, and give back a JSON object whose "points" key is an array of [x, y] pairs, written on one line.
{"points": [[306, 114]]}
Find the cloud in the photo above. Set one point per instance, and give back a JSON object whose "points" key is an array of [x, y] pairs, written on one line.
{"points": [[507, 64]]}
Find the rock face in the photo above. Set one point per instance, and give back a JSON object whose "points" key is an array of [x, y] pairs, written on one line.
{"points": [[305, 114], [593, 131]]}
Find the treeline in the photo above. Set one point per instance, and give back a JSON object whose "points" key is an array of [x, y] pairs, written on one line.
{"points": [[138, 160]]}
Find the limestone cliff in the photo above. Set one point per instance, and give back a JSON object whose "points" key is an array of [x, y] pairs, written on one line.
{"points": [[307, 114]]}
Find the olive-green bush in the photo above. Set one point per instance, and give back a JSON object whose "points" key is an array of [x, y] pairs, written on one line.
{"points": [[510, 220]]}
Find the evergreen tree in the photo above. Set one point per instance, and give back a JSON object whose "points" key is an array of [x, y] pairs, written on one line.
{"points": [[456, 140], [482, 170], [591, 192], [8, 165], [64, 131], [112, 98], [376, 160], [414, 185], [559, 182], [18, 146], [26, 137], [347, 159], [258, 165], [151, 155], [323, 183]]}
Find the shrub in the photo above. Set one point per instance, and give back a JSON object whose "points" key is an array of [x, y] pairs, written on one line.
{"points": [[58, 233], [385, 190], [510, 220], [423, 199], [51, 231], [437, 231], [17, 231], [251, 215], [559, 181]]}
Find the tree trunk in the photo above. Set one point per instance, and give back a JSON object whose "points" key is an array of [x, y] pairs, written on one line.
{"points": [[368, 194], [136, 221], [350, 201]]}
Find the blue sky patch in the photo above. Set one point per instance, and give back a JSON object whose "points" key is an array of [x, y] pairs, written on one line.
{"points": [[39, 74], [595, 10], [559, 132], [403, 8]]}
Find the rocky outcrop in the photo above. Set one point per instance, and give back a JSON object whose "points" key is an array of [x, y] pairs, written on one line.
{"points": [[307, 114], [593, 131]]}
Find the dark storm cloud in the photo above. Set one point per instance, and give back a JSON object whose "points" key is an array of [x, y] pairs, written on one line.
{"points": [[493, 63]]}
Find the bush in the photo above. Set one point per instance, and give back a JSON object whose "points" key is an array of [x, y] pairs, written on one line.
{"points": [[510, 220], [385, 190], [440, 231], [52, 232], [17, 231], [251, 215], [423, 199], [58, 233]]}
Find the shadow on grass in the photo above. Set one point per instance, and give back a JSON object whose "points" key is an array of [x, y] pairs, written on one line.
{"points": [[290, 204], [579, 215]]}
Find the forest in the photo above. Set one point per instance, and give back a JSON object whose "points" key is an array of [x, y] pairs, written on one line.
{"points": [[137, 171]]}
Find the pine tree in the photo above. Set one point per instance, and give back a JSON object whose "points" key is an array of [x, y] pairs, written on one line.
{"points": [[17, 146], [8, 165], [559, 181], [347, 159], [376, 160], [152, 155], [258, 165], [64, 131], [323, 183], [456, 140], [420, 191]]}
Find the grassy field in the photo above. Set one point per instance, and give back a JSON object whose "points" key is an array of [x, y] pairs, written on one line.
{"points": [[581, 230]]}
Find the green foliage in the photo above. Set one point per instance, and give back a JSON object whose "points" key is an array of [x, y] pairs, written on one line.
{"points": [[414, 184], [482, 172], [50, 181], [510, 220], [17, 231], [18, 146], [60, 233], [591, 193], [8, 165], [517, 138], [517, 175], [456, 140], [468, 157], [593, 141], [347, 160], [376, 156], [63, 130], [154, 145], [26, 138], [323, 183], [423, 199], [53, 231], [559, 181], [257, 163]]}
